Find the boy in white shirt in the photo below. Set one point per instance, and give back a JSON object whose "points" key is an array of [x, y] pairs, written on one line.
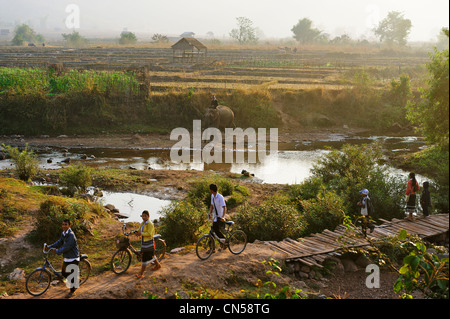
{"points": [[366, 211], [218, 210]]}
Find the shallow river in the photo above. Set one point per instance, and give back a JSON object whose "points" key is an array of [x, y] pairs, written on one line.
{"points": [[290, 165]]}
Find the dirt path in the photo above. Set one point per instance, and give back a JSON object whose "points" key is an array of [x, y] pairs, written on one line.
{"points": [[180, 272]]}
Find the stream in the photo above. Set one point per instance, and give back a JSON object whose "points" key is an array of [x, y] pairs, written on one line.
{"points": [[290, 165]]}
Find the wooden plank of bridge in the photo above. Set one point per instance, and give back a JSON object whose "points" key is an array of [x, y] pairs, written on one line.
{"points": [[297, 248], [279, 247], [327, 240], [436, 225], [314, 244], [430, 225], [312, 261], [409, 228], [443, 220], [418, 229], [305, 245], [384, 232], [314, 249]]}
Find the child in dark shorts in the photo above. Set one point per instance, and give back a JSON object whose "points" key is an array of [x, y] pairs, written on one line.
{"points": [[147, 231]]}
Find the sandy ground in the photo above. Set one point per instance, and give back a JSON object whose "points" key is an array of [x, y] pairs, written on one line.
{"points": [[223, 272], [156, 140]]}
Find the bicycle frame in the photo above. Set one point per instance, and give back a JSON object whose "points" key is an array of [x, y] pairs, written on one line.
{"points": [[207, 243], [226, 231], [48, 264], [130, 246]]}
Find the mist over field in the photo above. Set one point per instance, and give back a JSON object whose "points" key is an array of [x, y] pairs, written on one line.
{"points": [[273, 19]]}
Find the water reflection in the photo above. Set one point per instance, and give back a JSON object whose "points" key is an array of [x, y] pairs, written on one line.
{"points": [[291, 164], [286, 167], [132, 205]]}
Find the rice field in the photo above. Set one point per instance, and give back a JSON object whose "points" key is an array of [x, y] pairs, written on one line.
{"points": [[108, 68]]}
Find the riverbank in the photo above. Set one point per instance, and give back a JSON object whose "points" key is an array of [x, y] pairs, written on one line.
{"points": [[162, 140]]}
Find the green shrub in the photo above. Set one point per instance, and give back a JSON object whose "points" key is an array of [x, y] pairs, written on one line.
{"points": [[238, 196], [275, 219], [422, 270], [127, 37], [53, 211], [74, 39], [306, 190], [199, 189], [76, 178], [324, 212], [25, 162], [180, 223], [356, 167]]}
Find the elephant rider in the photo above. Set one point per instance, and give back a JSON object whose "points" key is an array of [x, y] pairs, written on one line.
{"points": [[214, 102]]}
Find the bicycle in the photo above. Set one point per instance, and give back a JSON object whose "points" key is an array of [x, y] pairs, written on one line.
{"points": [[121, 259], [235, 241], [38, 281]]}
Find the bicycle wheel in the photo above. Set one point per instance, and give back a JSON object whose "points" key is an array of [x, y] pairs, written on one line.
{"points": [[204, 247], [85, 270], [38, 281], [160, 249], [237, 242], [120, 261]]}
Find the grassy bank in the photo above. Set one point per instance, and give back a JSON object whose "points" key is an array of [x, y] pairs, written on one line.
{"points": [[43, 101]]}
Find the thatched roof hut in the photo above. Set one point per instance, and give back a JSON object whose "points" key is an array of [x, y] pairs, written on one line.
{"points": [[189, 50]]}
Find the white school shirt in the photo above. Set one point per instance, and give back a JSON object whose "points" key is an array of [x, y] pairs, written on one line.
{"points": [[219, 202], [364, 209]]}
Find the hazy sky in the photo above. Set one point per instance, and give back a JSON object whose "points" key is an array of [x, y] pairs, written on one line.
{"points": [[274, 18]]}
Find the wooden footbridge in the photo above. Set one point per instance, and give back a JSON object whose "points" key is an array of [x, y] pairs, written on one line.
{"points": [[314, 249]]}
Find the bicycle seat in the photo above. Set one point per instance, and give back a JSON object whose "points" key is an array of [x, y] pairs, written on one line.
{"points": [[83, 256], [230, 222], [157, 236]]}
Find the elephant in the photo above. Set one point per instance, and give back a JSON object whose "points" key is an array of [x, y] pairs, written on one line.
{"points": [[220, 117]]}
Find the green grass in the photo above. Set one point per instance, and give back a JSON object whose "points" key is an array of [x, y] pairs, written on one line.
{"points": [[32, 80]]}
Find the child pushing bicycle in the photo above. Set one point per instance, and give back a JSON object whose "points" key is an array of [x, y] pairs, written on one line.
{"points": [[147, 231]]}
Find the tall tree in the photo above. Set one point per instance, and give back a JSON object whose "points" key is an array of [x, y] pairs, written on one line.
{"points": [[245, 32], [23, 33], [394, 28], [431, 113], [127, 37], [304, 32], [74, 39]]}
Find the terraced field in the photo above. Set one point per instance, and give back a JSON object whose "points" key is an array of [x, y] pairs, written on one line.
{"points": [[224, 68]]}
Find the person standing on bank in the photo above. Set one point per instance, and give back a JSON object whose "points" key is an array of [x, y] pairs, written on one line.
{"points": [[217, 210], [147, 231], [425, 199], [67, 246], [411, 189], [366, 211]]}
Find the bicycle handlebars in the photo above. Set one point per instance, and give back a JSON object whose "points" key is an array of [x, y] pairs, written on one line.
{"points": [[130, 232], [46, 251]]}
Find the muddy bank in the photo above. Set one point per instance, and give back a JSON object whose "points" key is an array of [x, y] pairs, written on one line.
{"points": [[159, 141]]}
